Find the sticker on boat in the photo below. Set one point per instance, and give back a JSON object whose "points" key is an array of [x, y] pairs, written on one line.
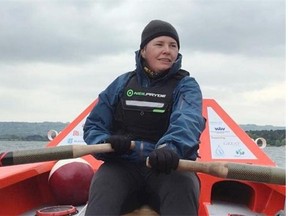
{"points": [[225, 144]]}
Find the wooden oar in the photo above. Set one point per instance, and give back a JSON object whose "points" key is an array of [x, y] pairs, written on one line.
{"points": [[52, 153], [239, 171]]}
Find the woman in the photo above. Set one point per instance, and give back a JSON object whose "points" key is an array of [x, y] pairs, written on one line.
{"points": [[159, 106]]}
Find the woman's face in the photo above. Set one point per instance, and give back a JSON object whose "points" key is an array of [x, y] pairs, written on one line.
{"points": [[160, 53]]}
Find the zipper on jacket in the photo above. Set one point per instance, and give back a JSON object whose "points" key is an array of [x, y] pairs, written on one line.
{"points": [[141, 149]]}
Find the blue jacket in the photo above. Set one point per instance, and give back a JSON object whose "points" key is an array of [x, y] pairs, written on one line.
{"points": [[186, 120]]}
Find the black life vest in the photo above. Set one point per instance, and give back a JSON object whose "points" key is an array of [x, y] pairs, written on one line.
{"points": [[144, 113]]}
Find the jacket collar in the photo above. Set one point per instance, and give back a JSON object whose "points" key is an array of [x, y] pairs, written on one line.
{"points": [[140, 71]]}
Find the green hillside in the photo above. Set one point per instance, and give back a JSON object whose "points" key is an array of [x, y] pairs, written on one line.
{"points": [[28, 131]]}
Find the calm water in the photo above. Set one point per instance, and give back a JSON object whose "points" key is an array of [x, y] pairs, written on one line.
{"points": [[277, 154]]}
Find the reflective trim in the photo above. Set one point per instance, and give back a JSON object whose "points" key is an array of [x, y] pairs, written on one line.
{"points": [[144, 104], [158, 110]]}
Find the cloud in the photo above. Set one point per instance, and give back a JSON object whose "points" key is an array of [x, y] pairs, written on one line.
{"points": [[75, 31], [236, 27], [61, 32], [57, 56], [273, 93]]}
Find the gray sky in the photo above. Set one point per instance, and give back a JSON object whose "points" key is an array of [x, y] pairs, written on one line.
{"points": [[57, 56]]}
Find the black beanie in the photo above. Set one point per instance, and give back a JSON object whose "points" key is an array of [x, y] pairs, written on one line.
{"points": [[158, 28]]}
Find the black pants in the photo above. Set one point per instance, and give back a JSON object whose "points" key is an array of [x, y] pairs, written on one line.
{"points": [[121, 187]]}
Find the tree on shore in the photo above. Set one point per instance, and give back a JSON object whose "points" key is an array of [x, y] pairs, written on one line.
{"points": [[273, 137]]}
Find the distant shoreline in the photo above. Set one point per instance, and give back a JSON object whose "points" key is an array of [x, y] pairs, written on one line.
{"points": [[37, 131]]}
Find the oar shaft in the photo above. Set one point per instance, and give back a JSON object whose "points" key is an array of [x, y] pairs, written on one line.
{"points": [[256, 173], [53, 153], [36, 155], [274, 175], [265, 174]]}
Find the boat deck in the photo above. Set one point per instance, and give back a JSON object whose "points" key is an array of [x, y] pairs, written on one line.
{"points": [[225, 208], [144, 211], [218, 208]]}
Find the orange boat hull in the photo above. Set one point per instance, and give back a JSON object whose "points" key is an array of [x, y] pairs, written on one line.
{"points": [[25, 187]]}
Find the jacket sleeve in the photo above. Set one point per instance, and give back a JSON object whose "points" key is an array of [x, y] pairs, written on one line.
{"points": [[97, 127], [186, 120]]}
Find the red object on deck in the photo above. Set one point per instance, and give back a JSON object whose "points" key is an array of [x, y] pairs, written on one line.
{"points": [[63, 210], [70, 180]]}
